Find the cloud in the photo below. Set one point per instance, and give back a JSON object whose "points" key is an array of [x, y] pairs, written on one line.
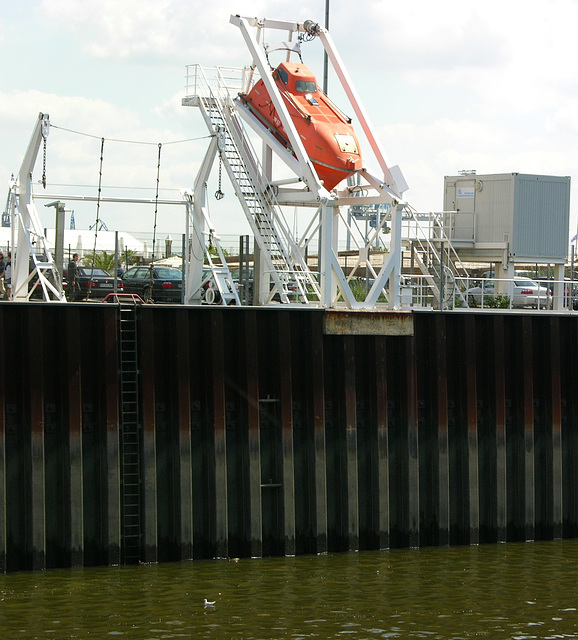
{"points": [[130, 154], [161, 29], [428, 152], [449, 85]]}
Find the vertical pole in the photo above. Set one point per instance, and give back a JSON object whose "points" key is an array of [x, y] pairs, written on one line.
{"points": [[394, 294], [325, 266], [59, 238], [442, 275], [329, 231], [116, 261]]}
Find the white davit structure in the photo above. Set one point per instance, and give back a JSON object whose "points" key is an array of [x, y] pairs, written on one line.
{"points": [[33, 267], [283, 175]]}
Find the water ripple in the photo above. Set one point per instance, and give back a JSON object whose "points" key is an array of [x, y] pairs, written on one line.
{"points": [[514, 591]]}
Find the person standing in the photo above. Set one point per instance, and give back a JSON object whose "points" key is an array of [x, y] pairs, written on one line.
{"points": [[72, 277], [2, 267], [7, 277]]}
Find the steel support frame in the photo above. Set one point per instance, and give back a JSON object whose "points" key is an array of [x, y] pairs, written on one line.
{"points": [[332, 276], [25, 221], [197, 244]]}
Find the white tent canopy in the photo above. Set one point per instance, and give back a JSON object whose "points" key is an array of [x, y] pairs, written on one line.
{"points": [[82, 241]]}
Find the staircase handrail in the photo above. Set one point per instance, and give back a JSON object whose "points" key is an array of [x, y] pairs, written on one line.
{"points": [[290, 255]]}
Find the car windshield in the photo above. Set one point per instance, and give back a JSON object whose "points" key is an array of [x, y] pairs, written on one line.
{"points": [[165, 273], [88, 271]]}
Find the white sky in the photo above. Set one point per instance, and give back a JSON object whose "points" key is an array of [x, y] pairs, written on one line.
{"points": [[449, 85]]}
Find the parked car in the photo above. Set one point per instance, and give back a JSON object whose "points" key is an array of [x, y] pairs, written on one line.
{"points": [[570, 290], [94, 283], [524, 292], [156, 284]]}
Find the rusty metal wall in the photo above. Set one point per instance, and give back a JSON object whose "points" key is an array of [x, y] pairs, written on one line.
{"points": [[263, 433]]}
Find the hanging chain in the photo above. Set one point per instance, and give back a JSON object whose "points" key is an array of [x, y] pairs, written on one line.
{"points": [[219, 195], [44, 165]]}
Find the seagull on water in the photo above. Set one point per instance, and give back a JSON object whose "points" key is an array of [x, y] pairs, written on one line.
{"points": [[209, 604]]}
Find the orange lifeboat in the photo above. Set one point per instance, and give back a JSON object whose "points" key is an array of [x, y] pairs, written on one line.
{"points": [[326, 133]]}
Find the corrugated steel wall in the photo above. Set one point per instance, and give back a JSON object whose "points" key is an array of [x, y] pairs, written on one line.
{"points": [[261, 435], [541, 216]]}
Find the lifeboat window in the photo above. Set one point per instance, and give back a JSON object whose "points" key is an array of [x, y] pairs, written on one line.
{"points": [[282, 75], [305, 86]]}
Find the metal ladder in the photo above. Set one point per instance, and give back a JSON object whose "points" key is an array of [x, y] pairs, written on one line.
{"points": [[129, 436], [287, 265]]}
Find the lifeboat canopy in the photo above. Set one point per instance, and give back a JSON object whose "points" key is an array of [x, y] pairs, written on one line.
{"points": [[325, 131]]}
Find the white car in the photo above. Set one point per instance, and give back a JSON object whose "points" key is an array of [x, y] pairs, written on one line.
{"points": [[523, 291]]}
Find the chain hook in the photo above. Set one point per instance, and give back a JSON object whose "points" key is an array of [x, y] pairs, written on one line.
{"points": [[219, 195]]}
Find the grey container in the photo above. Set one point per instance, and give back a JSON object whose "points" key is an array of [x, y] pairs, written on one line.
{"points": [[524, 213]]}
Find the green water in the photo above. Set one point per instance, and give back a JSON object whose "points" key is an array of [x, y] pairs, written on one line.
{"points": [[516, 591]]}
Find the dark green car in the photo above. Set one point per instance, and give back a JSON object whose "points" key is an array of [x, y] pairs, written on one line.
{"points": [[154, 284]]}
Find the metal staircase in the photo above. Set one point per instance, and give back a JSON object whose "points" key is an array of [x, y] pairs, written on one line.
{"points": [[129, 435], [434, 255], [285, 264]]}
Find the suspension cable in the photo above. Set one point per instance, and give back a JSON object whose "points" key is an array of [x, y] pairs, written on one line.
{"points": [[155, 220], [90, 135], [96, 224]]}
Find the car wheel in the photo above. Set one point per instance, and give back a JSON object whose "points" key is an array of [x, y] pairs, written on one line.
{"points": [[147, 295]]}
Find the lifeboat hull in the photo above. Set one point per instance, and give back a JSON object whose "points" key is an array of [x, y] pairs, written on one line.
{"points": [[326, 133]]}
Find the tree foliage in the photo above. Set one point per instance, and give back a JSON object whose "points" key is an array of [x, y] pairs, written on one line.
{"points": [[105, 260]]}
